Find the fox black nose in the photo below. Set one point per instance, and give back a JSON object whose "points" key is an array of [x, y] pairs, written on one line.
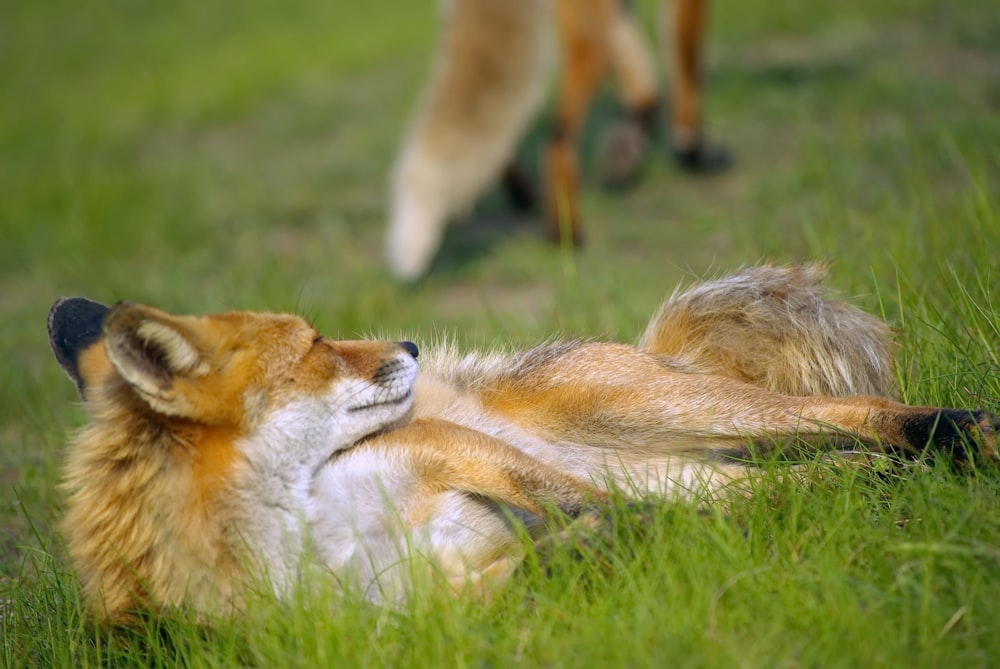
{"points": [[410, 347]]}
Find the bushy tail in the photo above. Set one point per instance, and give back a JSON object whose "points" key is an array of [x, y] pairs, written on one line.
{"points": [[487, 82], [775, 327]]}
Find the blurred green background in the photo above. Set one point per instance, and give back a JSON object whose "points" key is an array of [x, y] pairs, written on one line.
{"points": [[203, 156]]}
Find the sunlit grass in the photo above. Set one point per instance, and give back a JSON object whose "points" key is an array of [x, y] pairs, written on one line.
{"points": [[203, 157]]}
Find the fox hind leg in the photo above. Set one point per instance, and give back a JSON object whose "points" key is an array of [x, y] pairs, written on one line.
{"points": [[962, 436]]}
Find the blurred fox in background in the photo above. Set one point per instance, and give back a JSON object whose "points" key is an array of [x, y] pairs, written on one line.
{"points": [[488, 83]]}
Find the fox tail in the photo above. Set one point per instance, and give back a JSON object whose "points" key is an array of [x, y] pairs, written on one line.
{"points": [[776, 328], [486, 84]]}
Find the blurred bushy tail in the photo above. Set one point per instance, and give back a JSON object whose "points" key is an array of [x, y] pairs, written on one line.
{"points": [[487, 82], [775, 327]]}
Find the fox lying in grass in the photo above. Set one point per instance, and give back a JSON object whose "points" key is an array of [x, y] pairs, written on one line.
{"points": [[230, 447]]}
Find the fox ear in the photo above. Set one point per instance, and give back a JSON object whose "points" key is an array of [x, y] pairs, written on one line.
{"points": [[151, 350], [74, 325]]}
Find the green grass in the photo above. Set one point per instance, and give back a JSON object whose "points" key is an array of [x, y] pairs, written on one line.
{"points": [[202, 157]]}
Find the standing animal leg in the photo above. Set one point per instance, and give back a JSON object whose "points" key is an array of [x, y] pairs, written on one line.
{"points": [[584, 47], [625, 146], [685, 30]]}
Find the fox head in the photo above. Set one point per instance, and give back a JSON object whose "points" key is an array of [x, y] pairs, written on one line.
{"points": [[232, 369], [204, 436]]}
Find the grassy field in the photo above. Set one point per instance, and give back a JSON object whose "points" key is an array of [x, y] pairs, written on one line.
{"points": [[201, 157]]}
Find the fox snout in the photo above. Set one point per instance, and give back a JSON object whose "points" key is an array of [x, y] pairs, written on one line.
{"points": [[410, 348]]}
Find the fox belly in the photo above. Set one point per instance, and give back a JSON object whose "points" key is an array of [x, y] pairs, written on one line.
{"points": [[374, 522], [673, 467], [612, 413]]}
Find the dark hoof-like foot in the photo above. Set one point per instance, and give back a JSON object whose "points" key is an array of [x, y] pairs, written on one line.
{"points": [[702, 158], [520, 188]]}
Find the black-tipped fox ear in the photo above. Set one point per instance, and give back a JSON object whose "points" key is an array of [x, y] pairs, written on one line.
{"points": [[74, 325], [150, 349]]}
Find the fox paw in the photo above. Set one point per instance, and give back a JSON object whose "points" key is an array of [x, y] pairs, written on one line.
{"points": [[965, 436], [702, 158], [520, 188]]}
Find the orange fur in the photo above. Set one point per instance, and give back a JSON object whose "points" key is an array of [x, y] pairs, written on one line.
{"points": [[220, 447], [486, 85]]}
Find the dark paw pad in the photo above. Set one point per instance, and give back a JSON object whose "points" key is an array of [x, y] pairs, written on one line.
{"points": [[964, 436], [702, 158], [520, 188]]}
